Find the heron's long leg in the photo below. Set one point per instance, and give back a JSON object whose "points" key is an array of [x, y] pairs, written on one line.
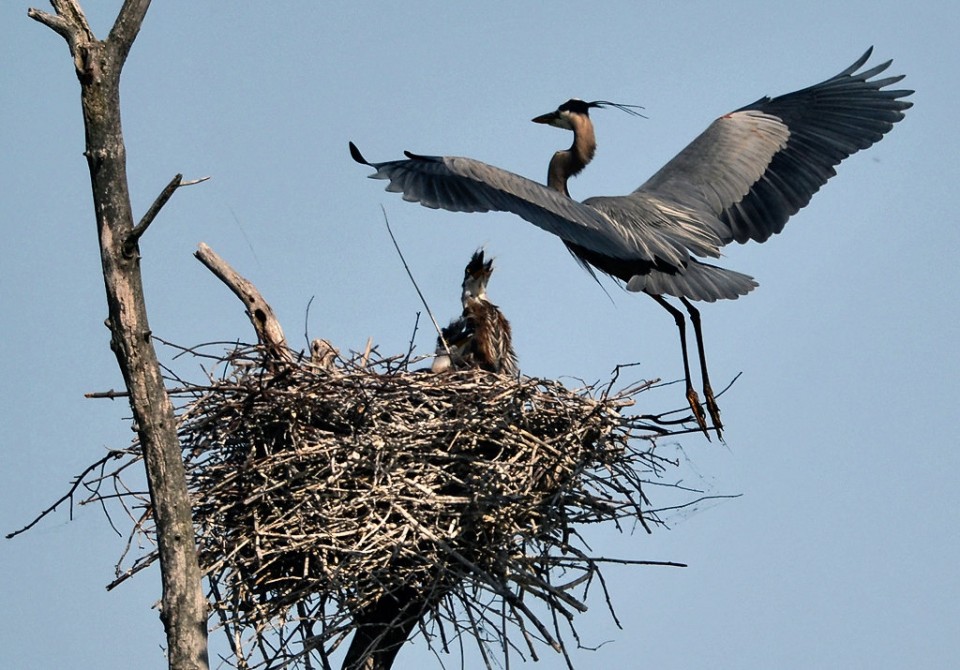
{"points": [[692, 397], [708, 398]]}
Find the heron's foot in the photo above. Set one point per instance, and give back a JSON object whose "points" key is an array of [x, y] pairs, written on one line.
{"points": [[714, 410], [697, 410]]}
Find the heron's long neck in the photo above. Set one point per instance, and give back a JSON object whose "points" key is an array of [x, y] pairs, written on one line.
{"points": [[570, 163]]}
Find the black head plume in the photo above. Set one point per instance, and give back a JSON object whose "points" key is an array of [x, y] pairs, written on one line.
{"points": [[578, 106], [629, 109]]}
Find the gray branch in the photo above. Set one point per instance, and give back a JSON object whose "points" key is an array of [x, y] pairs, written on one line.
{"points": [[261, 315]]}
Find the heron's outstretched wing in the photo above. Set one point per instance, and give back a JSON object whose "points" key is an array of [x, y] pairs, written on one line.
{"points": [[754, 168], [466, 185]]}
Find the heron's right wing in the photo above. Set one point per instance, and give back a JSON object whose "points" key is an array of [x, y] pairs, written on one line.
{"points": [[467, 185], [754, 168]]}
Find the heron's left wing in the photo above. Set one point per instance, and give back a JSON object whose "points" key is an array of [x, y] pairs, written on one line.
{"points": [[467, 185]]}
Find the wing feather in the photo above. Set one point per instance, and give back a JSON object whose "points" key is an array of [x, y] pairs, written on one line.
{"points": [[754, 168], [466, 185]]}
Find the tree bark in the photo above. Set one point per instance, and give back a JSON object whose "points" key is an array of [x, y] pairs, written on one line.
{"points": [[98, 65]]}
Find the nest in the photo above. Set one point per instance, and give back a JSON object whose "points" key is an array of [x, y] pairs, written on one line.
{"points": [[356, 499], [321, 492]]}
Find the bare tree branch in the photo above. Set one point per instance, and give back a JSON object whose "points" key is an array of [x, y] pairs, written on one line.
{"points": [[127, 26], [71, 24], [77, 482], [55, 23], [155, 208], [261, 314]]}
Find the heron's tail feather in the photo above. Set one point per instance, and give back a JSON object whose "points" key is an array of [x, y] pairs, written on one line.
{"points": [[697, 281]]}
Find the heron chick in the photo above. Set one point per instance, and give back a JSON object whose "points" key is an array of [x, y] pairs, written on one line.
{"points": [[480, 337]]}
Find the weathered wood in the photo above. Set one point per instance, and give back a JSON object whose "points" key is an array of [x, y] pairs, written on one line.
{"points": [[98, 66], [261, 314]]}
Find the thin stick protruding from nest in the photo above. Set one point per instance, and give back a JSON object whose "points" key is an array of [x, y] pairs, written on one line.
{"points": [[413, 281], [78, 481]]}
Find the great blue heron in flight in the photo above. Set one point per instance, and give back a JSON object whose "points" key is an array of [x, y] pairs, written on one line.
{"points": [[481, 337], [741, 179]]}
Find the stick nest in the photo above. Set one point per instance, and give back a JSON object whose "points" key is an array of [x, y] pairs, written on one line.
{"points": [[320, 490]]}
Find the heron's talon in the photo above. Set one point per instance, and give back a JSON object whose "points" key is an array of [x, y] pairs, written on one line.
{"points": [[694, 400], [714, 410]]}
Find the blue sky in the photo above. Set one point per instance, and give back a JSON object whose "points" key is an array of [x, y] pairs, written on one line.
{"points": [[841, 433]]}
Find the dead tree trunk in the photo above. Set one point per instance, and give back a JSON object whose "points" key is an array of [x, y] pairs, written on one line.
{"points": [[383, 629], [98, 65]]}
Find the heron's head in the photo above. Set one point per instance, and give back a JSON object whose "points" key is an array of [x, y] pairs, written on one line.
{"points": [[475, 277], [562, 116], [566, 115]]}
